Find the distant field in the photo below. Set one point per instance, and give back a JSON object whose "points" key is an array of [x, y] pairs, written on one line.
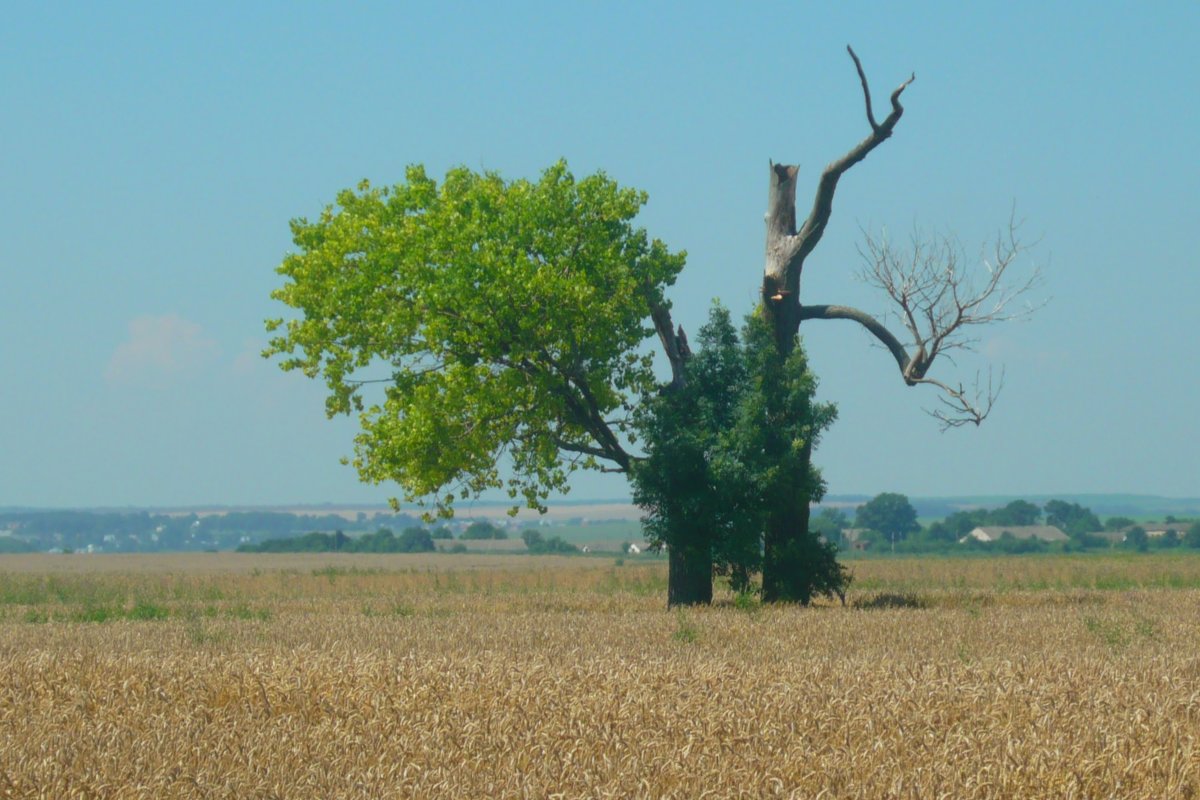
{"points": [[599, 510], [358, 676]]}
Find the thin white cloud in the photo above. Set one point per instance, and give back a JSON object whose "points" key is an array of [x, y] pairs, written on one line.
{"points": [[160, 348]]}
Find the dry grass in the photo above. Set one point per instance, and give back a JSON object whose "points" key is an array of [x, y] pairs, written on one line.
{"points": [[523, 677]]}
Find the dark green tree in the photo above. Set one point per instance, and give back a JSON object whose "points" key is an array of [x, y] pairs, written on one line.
{"points": [[830, 523], [415, 540], [890, 514], [692, 493], [1016, 513], [1192, 537], [727, 452], [540, 545], [1072, 518], [1137, 539], [483, 530]]}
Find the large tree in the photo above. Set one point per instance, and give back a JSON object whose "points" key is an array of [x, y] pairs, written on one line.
{"points": [[510, 318], [890, 514], [930, 289], [726, 444]]}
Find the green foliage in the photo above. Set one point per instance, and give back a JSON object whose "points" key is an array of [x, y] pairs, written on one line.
{"points": [[415, 540], [509, 316], [1118, 523], [1137, 539], [412, 540], [1072, 518], [540, 545], [1192, 537], [1016, 513], [1168, 540], [888, 513], [483, 530], [11, 544], [696, 493], [830, 523], [729, 446]]}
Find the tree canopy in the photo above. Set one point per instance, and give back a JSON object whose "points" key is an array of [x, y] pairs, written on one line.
{"points": [[890, 514], [505, 319], [726, 445], [1072, 518]]}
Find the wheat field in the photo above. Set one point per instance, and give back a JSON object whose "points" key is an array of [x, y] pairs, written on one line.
{"points": [[506, 676]]}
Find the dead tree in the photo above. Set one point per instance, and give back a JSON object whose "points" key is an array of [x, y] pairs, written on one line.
{"points": [[937, 299]]}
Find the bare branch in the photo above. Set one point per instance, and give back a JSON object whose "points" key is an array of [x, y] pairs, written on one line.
{"points": [[959, 407], [940, 302], [867, 321], [674, 341], [862, 76], [787, 248], [583, 449]]}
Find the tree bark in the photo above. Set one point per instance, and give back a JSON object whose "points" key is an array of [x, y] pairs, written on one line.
{"points": [[690, 574], [786, 578]]}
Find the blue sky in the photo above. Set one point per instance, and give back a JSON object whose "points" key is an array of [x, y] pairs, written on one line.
{"points": [[152, 154]]}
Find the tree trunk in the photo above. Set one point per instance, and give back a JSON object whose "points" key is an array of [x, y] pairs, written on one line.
{"points": [[690, 575], [786, 578], [787, 573]]}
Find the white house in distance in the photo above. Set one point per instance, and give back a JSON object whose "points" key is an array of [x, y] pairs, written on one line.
{"points": [[1156, 529], [992, 533]]}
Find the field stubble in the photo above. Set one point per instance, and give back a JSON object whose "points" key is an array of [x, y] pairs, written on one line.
{"points": [[524, 677]]}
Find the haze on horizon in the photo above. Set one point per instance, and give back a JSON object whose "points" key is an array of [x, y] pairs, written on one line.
{"points": [[152, 161]]}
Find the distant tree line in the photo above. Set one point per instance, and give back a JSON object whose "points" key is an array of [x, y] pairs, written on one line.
{"points": [[141, 531], [889, 522], [411, 540]]}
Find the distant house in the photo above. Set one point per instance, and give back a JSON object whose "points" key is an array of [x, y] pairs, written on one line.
{"points": [[992, 533], [1156, 529], [856, 538]]}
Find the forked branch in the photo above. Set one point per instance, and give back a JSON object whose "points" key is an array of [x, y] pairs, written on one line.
{"points": [[939, 301], [786, 247], [814, 227]]}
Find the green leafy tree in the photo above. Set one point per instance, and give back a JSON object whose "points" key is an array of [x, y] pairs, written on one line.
{"points": [[509, 317], [694, 497], [415, 540], [1168, 540], [830, 523], [890, 514], [1118, 523], [1137, 539], [1192, 537], [778, 428], [727, 448], [1016, 513], [483, 530], [1072, 518], [541, 545]]}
